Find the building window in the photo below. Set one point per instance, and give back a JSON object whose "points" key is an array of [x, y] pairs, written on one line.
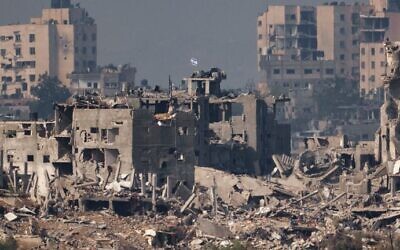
{"points": [[290, 71], [3, 52], [363, 65], [17, 37], [24, 86], [355, 42], [259, 36], [89, 84], [84, 50], [372, 78], [362, 51], [95, 85], [342, 18], [76, 50], [342, 31], [30, 158], [46, 158], [372, 65], [18, 78], [354, 30], [342, 71], [342, 44], [260, 51], [277, 71], [342, 57], [17, 51], [363, 78], [94, 50], [383, 64], [84, 37], [94, 37], [259, 23], [372, 51], [94, 130], [32, 78], [307, 71], [381, 50], [354, 56], [32, 51], [65, 22], [329, 71], [32, 38]]}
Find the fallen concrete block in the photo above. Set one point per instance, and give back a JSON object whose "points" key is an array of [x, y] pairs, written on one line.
{"points": [[213, 229], [10, 216]]}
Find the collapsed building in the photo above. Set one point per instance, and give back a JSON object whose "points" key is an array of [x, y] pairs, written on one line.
{"points": [[128, 154], [122, 143]]}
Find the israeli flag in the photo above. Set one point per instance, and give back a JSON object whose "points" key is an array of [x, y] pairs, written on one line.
{"points": [[194, 61]]}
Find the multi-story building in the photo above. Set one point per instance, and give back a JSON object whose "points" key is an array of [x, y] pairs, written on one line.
{"points": [[63, 40], [376, 25], [288, 54], [338, 37]]}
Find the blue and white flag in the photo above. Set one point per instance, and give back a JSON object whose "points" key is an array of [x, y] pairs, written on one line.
{"points": [[194, 61]]}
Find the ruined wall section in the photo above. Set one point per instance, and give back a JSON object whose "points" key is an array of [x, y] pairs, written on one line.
{"points": [[102, 143], [388, 136], [165, 147]]}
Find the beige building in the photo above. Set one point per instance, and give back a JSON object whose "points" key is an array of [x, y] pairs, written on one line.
{"points": [[288, 56], [338, 36], [63, 40], [379, 23]]}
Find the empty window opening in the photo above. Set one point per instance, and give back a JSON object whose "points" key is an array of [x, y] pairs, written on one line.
{"points": [[11, 133], [92, 154], [119, 123], [30, 158], [111, 157], [94, 130], [46, 158], [163, 165], [41, 130], [10, 158]]}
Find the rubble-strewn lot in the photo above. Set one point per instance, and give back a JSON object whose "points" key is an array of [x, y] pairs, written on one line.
{"points": [[223, 211]]}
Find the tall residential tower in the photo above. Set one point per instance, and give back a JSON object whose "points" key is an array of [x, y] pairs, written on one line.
{"points": [[63, 40]]}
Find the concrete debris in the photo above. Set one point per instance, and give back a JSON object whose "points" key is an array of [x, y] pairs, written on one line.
{"points": [[10, 216], [211, 229], [118, 174]]}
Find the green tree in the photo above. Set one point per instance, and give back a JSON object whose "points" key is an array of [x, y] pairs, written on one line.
{"points": [[48, 92]]}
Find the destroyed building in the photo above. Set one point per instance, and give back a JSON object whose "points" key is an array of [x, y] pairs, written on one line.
{"points": [[108, 142]]}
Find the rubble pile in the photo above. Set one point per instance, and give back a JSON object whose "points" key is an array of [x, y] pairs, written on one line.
{"points": [[222, 210], [104, 188]]}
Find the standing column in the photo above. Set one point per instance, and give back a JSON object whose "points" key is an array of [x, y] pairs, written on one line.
{"points": [[154, 194]]}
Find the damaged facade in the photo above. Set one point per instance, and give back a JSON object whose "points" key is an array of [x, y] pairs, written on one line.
{"points": [[118, 143]]}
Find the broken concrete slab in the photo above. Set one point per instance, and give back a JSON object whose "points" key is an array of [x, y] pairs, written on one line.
{"points": [[10, 216], [213, 229]]}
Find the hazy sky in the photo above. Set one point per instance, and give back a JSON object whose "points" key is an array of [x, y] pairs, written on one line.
{"points": [[160, 36]]}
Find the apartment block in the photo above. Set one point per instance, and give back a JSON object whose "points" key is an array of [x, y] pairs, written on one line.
{"points": [[63, 40], [288, 54], [377, 25], [338, 36]]}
